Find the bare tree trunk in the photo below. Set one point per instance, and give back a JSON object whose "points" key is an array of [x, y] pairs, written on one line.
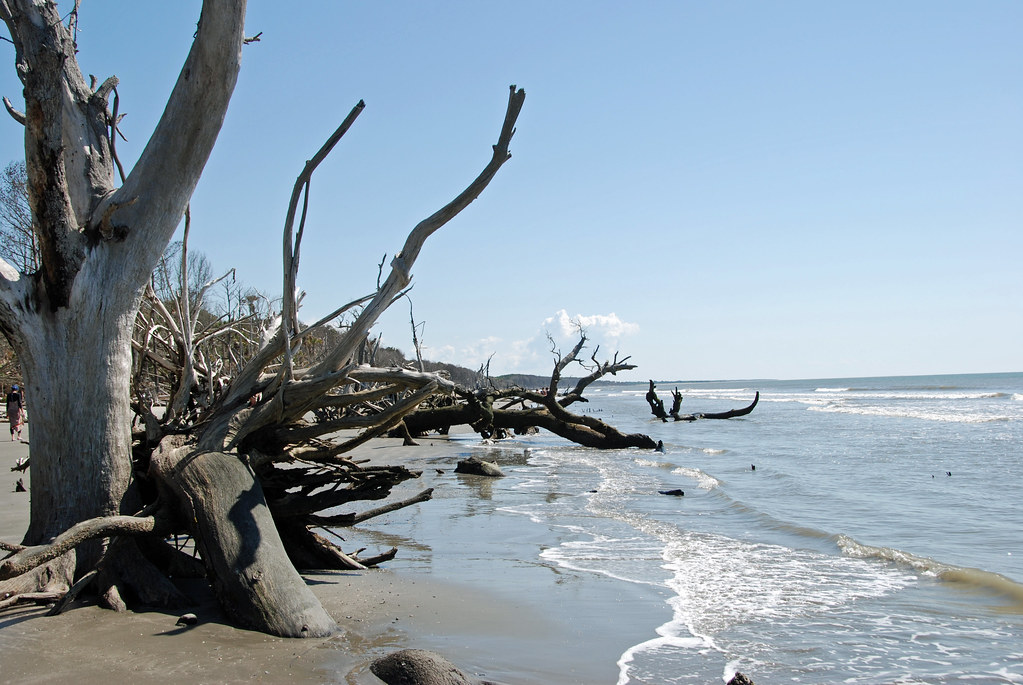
{"points": [[254, 579], [77, 379]]}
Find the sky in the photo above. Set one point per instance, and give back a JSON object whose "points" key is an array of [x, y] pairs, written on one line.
{"points": [[721, 190]]}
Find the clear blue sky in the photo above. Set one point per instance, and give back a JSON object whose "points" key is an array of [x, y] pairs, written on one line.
{"points": [[721, 190]]}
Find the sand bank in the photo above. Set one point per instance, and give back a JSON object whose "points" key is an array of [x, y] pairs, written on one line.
{"points": [[509, 622]]}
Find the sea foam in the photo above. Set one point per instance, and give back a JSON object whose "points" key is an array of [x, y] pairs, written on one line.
{"points": [[971, 577]]}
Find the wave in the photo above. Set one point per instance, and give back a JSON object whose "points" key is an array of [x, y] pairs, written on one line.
{"points": [[928, 414], [873, 394], [704, 481], [970, 577], [665, 641], [713, 451], [654, 464]]}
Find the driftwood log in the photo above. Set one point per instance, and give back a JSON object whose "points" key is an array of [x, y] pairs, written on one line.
{"points": [[657, 408], [492, 412]]}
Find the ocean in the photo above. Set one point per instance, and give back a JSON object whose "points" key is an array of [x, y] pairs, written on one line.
{"points": [[863, 530]]}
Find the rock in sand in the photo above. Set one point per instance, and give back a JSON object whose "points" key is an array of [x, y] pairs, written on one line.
{"points": [[478, 467], [419, 667]]}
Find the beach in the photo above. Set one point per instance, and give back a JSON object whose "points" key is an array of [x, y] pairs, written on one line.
{"points": [[491, 634]]}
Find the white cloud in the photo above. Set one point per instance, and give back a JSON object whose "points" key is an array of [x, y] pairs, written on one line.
{"points": [[471, 356], [598, 327], [533, 354]]}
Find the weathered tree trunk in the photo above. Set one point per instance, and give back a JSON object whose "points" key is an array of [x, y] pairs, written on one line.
{"points": [[481, 409], [730, 414], [584, 431], [254, 579], [657, 407], [71, 323], [77, 377]]}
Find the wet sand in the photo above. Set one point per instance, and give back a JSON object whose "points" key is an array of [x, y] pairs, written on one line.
{"points": [[507, 622]]}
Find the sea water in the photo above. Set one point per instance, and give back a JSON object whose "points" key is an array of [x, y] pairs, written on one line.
{"points": [[864, 530]]}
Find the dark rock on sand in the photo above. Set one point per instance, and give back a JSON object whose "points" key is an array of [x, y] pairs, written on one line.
{"points": [[477, 467], [673, 493], [419, 667]]}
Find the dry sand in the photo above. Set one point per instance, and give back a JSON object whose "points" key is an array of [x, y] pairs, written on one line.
{"points": [[518, 636]]}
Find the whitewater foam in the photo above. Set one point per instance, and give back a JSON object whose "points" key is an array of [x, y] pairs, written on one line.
{"points": [[969, 577], [704, 481]]}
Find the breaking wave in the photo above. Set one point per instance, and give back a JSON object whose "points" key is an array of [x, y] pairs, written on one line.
{"points": [[977, 578]]}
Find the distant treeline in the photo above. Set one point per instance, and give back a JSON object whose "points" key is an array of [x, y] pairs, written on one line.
{"points": [[392, 356]]}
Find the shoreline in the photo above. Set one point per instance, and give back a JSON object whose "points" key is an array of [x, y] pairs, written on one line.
{"points": [[518, 624]]}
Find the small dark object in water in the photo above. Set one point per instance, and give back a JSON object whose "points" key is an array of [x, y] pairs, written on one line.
{"points": [[660, 446], [752, 467], [740, 679], [949, 473], [673, 493], [20, 486], [187, 620]]}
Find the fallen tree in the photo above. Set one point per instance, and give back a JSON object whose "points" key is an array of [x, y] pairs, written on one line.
{"points": [[211, 466], [657, 407], [490, 411]]}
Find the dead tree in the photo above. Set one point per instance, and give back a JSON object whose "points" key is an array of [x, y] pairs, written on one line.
{"points": [[656, 403], [489, 410], [657, 408], [100, 512]]}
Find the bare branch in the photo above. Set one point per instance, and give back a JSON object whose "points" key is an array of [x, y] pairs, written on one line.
{"points": [[31, 557], [354, 519], [380, 422], [292, 249], [15, 114], [195, 111], [399, 276]]}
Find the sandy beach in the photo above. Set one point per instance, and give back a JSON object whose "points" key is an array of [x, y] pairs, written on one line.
{"points": [[510, 625]]}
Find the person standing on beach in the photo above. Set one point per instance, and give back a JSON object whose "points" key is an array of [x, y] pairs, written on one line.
{"points": [[15, 411]]}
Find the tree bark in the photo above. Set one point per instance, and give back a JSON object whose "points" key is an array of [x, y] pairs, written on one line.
{"points": [[255, 581], [77, 378]]}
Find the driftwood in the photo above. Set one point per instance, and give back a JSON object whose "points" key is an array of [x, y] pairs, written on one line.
{"points": [[657, 408], [492, 412]]}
